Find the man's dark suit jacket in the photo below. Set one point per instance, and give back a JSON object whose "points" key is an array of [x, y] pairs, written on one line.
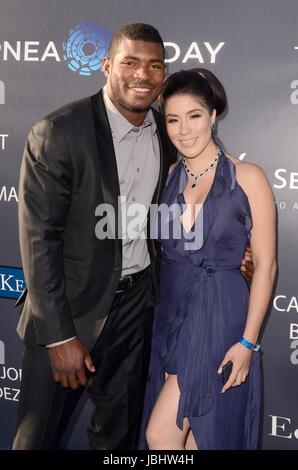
{"points": [[68, 169]]}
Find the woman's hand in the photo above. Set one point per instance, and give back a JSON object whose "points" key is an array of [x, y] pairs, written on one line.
{"points": [[241, 357]]}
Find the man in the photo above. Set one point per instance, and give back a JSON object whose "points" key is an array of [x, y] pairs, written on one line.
{"points": [[88, 298], [86, 320]]}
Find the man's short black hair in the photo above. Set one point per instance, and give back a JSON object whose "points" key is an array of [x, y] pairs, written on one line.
{"points": [[135, 31]]}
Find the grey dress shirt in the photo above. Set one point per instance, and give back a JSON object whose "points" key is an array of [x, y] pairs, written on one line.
{"points": [[138, 163]]}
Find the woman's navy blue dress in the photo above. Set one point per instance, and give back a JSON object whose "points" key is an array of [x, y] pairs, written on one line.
{"points": [[202, 313]]}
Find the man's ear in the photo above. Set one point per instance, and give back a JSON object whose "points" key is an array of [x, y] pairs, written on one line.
{"points": [[106, 64]]}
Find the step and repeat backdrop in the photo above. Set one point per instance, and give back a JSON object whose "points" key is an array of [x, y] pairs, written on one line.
{"points": [[50, 54]]}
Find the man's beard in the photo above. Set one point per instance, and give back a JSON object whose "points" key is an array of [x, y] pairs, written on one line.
{"points": [[124, 103], [132, 108]]}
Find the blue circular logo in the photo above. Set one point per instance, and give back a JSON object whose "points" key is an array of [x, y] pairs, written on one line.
{"points": [[86, 47]]}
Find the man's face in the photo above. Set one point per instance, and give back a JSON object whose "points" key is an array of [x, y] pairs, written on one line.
{"points": [[134, 76]]}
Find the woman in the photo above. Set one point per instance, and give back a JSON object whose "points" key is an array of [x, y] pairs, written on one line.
{"points": [[207, 317]]}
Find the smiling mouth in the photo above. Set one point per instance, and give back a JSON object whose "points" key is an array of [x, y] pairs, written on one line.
{"points": [[141, 91], [188, 142]]}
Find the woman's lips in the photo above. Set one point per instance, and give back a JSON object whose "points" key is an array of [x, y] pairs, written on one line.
{"points": [[188, 142]]}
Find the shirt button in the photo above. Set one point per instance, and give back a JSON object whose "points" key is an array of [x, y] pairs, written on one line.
{"points": [[138, 170], [133, 199]]}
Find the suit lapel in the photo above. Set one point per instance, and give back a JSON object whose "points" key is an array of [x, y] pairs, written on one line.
{"points": [[164, 157], [108, 172]]}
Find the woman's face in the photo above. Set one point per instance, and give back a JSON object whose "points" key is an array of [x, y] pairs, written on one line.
{"points": [[188, 124]]}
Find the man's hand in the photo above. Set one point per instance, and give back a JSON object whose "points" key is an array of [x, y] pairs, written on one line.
{"points": [[69, 362], [247, 266]]}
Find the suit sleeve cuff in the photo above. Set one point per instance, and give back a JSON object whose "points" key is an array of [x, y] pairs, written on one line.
{"points": [[59, 342]]}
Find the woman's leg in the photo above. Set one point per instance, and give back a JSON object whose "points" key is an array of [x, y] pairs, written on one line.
{"points": [[162, 431], [190, 442]]}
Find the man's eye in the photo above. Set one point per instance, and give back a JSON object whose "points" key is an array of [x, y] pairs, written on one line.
{"points": [[156, 66], [129, 63]]}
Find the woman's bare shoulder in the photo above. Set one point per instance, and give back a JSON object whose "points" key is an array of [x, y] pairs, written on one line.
{"points": [[246, 168], [249, 175]]}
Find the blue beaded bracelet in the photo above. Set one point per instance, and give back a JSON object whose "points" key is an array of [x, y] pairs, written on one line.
{"points": [[254, 347]]}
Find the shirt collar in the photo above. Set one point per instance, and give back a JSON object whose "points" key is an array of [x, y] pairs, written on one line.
{"points": [[120, 126]]}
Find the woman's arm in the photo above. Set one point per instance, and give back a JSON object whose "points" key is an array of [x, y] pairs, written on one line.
{"points": [[262, 241], [255, 184]]}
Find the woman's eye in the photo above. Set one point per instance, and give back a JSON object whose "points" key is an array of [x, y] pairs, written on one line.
{"points": [[170, 121], [195, 116]]}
